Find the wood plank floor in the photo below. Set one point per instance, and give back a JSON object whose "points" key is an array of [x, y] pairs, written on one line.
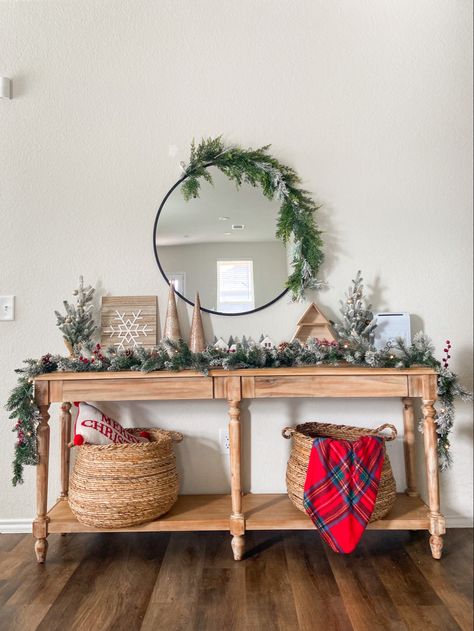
{"points": [[188, 581]]}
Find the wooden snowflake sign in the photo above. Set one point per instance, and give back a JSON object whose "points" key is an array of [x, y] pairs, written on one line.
{"points": [[128, 321]]}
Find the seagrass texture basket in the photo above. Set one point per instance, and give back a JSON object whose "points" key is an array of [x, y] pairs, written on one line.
{"points": [[119, 485], [303, 436]]}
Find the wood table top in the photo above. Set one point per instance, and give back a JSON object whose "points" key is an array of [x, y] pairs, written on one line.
{"points": [[242, 372]]}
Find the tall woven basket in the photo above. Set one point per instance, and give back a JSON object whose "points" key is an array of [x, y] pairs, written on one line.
{"points": [[119, 485], [303, 436]]}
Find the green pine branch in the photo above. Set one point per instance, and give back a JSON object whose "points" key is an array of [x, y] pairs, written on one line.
{"points": [[177, 356], [296, 220]]}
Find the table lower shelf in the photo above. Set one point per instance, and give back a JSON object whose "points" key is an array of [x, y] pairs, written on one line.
{"points": [[262, 512]]}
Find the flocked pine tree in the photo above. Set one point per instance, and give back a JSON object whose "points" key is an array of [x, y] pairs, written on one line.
{"points": [[357, 323], [77, 325]]}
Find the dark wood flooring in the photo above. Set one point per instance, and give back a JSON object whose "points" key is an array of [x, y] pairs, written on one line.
{"points": [[188, 581]]}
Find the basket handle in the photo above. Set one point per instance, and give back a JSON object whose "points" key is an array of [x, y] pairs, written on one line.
{"points": [[176, 437], [287, 432], [392, 428]]}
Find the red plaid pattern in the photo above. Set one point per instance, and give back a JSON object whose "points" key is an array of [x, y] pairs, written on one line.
{"points": [[341, 488]]}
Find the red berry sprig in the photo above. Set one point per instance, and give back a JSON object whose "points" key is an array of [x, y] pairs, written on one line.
{"points": [[447, 356], [97, 352]]}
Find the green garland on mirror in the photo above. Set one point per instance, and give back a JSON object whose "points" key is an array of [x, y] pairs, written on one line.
{"points": [[296, 221]]}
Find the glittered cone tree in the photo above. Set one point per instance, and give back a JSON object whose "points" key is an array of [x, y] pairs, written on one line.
{"points": [[197, 342], [172, 330], [313, 323]]}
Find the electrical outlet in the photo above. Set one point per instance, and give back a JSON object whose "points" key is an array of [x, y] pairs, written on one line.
{"points": [[224, 441], [7, 307]]}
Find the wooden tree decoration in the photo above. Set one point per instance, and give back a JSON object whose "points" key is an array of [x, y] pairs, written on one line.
{"points": [[172, 330], [313, 323], [197, 342]]}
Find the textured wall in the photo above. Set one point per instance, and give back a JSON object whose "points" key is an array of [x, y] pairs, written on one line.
{"points": [[369, 101]]}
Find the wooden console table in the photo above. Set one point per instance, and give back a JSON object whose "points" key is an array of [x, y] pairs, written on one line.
{"points": [[238, 513]]}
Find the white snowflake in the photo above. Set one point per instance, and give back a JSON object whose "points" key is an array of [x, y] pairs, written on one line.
{"points": [[129, 330]]}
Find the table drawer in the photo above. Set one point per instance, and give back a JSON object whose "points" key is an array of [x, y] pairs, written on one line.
{"points": [[329, 386], [137, 390]]}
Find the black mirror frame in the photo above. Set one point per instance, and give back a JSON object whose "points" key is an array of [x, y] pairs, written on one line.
{"points": [[157, 258]]}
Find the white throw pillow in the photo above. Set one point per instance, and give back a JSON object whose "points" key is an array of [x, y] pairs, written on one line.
{"points": [[95, 428]]}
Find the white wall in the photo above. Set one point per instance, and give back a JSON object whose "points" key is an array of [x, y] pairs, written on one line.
{"points": [[369, 101]]}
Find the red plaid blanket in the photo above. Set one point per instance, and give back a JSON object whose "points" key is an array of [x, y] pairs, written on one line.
{"points": [[341, 488]]}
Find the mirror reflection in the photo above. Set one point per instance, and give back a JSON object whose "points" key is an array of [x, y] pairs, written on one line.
{"points": [[222, 244]]}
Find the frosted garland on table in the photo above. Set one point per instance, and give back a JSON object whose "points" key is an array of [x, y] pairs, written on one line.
{"points": [[172, 355], [354, 347]]}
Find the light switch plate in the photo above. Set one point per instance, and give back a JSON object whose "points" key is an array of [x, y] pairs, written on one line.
{"points": [[7, 307]]}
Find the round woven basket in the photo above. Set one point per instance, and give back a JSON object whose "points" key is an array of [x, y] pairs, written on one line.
{"points": [[303, 436], [119, 485]]}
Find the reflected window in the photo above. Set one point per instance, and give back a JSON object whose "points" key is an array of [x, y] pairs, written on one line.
{"points": [[235, 288]]}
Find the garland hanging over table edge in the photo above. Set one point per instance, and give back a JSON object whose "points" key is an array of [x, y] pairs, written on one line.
{"points": [[296, 219], [176, 356]]}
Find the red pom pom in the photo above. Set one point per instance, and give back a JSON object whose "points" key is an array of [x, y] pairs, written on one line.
{"points": [[78, 440], [76, 403], [146, 435]]}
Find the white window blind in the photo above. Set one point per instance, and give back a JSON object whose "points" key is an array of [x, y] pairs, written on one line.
{"points": [[235, 291]]}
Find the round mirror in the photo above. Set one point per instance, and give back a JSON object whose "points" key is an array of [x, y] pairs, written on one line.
{"points": [[222, 244]]}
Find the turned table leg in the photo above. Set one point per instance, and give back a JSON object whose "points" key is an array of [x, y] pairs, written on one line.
{"points": [[409, 446], [237, 520], [40, 524], [437, 523], [65, 419]]}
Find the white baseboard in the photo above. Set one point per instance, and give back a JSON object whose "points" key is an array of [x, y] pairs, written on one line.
{"points": [[10, 526], [459, 522]]}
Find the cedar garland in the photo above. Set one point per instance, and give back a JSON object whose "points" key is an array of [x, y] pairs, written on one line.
{"points": [[257, 167]]}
